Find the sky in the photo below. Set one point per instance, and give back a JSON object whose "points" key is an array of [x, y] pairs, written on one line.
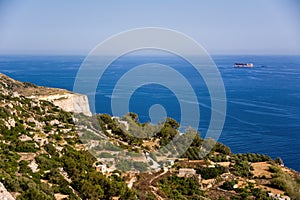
{"points": [[221, 27]]}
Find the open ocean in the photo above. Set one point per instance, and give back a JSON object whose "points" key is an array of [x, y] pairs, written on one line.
{"points": [[263, 103]]}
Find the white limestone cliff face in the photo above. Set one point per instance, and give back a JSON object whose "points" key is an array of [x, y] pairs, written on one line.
{"points": [[70, 102], [4, 194]]}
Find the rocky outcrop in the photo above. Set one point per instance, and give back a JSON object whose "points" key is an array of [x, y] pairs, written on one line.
{"points": [[4, 194], [70, 102]]}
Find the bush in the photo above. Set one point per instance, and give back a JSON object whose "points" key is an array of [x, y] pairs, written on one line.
{"points": [[26, 147], [105, 155], [124, 165], [278, 183], [285, 182], [210, 172], [192, 153], [243, 169], [45, 163], [106, 119], [251, 157], [51, 149], [278, 161], [180, 188], [221, 148], [23, 167], [11, 183], [228, 185], [273, 169], [141, 166], [32, 193]]}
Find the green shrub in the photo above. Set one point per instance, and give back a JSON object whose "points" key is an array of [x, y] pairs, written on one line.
{"points": [[27, 146], [228, 185], [211, 172], [124, 165], [33, 193], [285, 182], [279, 183], [273, 169], [180, 188], [105, 155], [243, 169], [141, 166], [45, 163]]}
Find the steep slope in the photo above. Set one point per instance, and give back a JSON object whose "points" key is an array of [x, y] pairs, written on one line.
{"points": [[68, 101], [41, 156]]}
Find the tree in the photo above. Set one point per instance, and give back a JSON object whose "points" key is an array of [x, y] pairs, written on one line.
{"points": [[172, 122], [105, 118], [134, 117], [278, 161], [90, 191]]}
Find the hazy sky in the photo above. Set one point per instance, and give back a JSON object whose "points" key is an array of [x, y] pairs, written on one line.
{"points": [[221, 27]]}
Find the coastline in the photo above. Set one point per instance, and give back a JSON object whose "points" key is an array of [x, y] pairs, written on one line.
{"points": [[214, 172]]}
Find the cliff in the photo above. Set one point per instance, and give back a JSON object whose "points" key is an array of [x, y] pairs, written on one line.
{"points": [[68, 101]]}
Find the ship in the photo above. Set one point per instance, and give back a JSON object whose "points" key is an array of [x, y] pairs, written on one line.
{"points": [[243, 65]]}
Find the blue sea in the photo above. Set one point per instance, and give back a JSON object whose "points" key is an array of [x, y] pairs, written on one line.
{"points": [[263, 103]]}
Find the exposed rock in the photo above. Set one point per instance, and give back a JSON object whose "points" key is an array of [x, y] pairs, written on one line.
{"points": [[10, 123], [33, 166], [27, 156], [15, 94], [31, 119], [4, 194], [68, 101], [59, 196], [40, 140], [25, 138], [54, 122]]}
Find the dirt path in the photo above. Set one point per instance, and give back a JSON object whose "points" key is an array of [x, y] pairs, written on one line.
{"points": [[97, 132], [154, 192], [154, 189]]}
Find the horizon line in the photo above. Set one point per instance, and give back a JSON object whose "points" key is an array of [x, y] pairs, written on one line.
{"points": [[152, 54]]}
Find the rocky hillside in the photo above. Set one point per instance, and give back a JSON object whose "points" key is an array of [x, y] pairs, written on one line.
{"points": [[43, 157], [219, 175]]}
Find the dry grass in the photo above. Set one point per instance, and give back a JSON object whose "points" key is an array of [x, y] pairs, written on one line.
{"points": [[41, 91], [273, 190], [261, 169], [151, 144], [223, 164], [191, 163], [290, 172]]}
